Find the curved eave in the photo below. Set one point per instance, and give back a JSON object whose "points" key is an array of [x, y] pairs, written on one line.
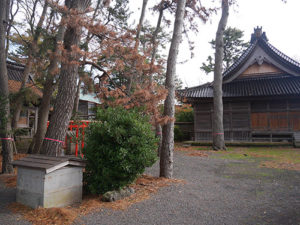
{"points": [[286, 63], [278, 85], [241, 60], [281, 57]]}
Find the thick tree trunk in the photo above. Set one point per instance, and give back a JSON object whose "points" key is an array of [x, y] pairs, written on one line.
{"points": [[28, 67], [44, 108], [218, 130], [67, 87], [167, 148], [5, 128], [36, 144], [158, 132]]}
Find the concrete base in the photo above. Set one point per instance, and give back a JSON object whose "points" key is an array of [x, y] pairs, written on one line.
{"points": [[59, 188]]}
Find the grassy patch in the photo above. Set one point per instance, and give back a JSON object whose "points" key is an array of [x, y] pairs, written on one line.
{"points": [[272, 157], [242, 144], [232, 155], [284, 155]]}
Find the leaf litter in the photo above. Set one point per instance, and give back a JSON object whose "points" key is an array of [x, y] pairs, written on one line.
{"points": [[144, 187]]}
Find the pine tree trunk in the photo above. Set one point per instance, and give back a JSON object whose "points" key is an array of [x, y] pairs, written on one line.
{"points": [[67, 87], [158, 132], [37, 141], [44, 108], [167, 148], [5, 127], [218, 129], [28, 68]]}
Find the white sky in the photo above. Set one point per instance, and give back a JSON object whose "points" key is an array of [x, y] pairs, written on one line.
{"points": [[279, 20]]}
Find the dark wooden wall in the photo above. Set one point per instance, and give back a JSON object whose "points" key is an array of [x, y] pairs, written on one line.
{"points": [[251, 120]]}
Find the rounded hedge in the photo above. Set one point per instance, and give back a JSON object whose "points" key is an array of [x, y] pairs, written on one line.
{"points": [[119, 146]]}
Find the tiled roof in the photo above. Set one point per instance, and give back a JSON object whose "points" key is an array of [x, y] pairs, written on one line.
{"points": [[15, 76], [281, 56], [14, 87], [260, 86], [274, 52], [239, 61], [15, 71]]}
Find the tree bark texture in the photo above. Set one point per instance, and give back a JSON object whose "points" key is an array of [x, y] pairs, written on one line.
{"points": [[49, 87], [158, 132], [43, 115], [218, 129], [64, 103], [167, 148], [28, 67], [5, 127]]}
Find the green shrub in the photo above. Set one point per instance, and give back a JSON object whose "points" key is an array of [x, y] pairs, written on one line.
{"points": [[184, 113], [179, 135], [119, 146]]}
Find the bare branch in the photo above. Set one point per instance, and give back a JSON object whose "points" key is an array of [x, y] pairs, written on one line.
{"points": [[104, 74]]}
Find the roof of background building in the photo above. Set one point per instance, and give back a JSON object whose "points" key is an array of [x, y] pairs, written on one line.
{"points": [[269, 85], [258, 86], [15, 75], [89, 97]]}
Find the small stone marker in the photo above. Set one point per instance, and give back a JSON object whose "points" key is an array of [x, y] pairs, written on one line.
{"points": [[49, 181], [112, 196]]}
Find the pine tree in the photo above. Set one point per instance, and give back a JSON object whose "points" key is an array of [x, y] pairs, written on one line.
{"points": [[5, 128]]}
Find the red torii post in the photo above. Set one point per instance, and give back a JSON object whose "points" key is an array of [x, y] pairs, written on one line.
{"points": [[72, 125]]}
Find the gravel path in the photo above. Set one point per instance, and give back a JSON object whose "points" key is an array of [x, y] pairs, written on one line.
{"points": [[8, 195], [217, 191]]}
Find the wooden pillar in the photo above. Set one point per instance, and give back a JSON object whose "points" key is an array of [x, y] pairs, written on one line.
{"points": [[288, 116], [36, 116], [249, 122]]}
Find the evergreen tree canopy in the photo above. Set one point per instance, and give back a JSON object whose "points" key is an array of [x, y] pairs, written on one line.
{"points": [[234, 46]]}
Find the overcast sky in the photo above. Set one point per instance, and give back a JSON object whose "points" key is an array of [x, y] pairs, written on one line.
{"points": [[279, 20]]}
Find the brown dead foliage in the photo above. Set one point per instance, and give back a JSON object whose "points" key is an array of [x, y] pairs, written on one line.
{"points": [[193, 151], [41, 216], [200, 154], [281, 165], [10, 180], [16, 157], [144, 187]]}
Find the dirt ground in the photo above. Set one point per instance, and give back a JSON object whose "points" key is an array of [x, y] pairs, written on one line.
{"points": [[218, 189]]}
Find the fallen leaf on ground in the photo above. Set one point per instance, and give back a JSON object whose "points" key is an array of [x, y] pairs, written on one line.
{"points": [[144, 187], [16, 157], [193, 151], [10, 180], [200, 154], [281, 165]]}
